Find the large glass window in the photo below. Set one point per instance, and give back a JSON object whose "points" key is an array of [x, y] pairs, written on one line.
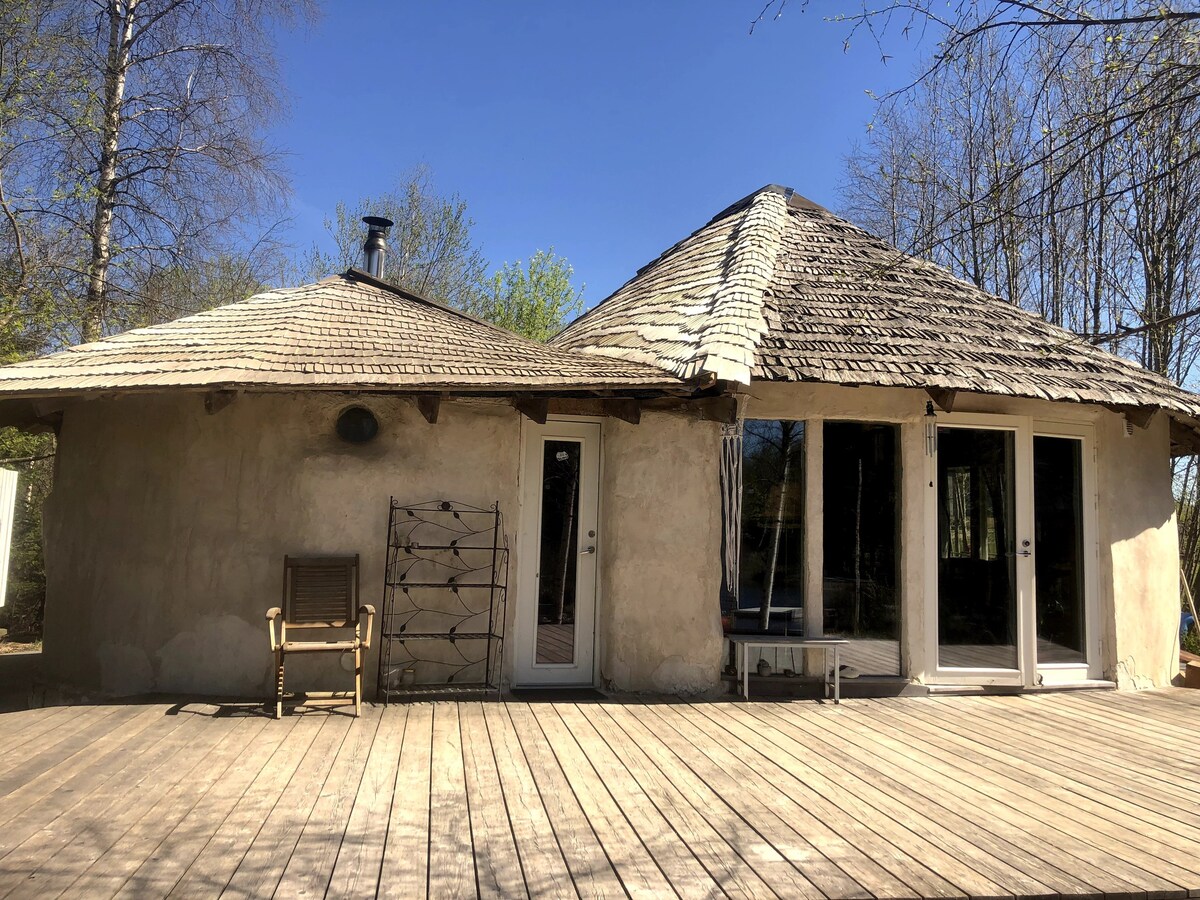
{"points": [[861, 543], [1058, 537], [771, 563]]}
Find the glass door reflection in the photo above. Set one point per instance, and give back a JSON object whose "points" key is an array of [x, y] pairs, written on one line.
{"points": [[977, 584], [558, 548]]}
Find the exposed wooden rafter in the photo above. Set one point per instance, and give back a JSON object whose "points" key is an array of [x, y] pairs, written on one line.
{"points": [[534, 408], [942, 398], [1141, 416], [429, 405], [215, 401]]}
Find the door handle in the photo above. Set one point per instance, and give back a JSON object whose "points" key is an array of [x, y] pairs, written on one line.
{"points": [[585, 551]]}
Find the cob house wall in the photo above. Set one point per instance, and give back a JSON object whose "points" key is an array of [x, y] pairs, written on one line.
{"points": [[167, 528]]}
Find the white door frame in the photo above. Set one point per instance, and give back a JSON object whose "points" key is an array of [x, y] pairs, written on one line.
{"points": [[1029, 671], [1064, 673], [1022, 498], [526, 670]]}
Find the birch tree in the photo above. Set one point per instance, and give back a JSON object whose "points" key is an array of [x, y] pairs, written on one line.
{"points": [[153, 155]]}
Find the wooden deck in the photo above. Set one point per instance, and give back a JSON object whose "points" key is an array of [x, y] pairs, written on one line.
{"points": [[1084, 794]]}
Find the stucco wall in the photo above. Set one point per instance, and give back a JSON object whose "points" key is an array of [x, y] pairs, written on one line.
{"points": [[167, 528], [1136, 548], [659, 615]]}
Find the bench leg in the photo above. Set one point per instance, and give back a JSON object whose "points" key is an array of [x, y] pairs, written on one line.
{"points": [[279, 684]]}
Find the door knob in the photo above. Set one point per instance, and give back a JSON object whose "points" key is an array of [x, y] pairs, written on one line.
{"points": [[587, 550]]}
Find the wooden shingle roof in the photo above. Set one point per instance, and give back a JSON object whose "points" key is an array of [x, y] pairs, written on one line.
{"points": [[347, 331], [778, 288]]}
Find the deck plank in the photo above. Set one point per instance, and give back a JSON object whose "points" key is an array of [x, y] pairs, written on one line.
{"points": [[215, 864], [116, 756], [1065, 796], [938, 818], [1077, 813], [310, 866], [803, 778], [1069, 851], [451, 858], [590, 868], [726, 869], [151, 812], [259, 871], [160, 872], [542, 862], [404, 871], [721, 812], [497, 864], [356, 869], [625, 847]]}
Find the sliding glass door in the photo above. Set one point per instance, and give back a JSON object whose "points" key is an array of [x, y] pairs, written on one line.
{"points": [[1010, 553]]}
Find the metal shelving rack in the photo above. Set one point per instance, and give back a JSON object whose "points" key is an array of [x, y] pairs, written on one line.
{"points": [[444, 599]]}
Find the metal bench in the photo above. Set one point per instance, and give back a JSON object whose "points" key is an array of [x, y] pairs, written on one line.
{"points": [[743, 643]]}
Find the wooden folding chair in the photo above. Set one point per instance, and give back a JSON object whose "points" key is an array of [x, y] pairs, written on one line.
{"points": [[320, 592]]}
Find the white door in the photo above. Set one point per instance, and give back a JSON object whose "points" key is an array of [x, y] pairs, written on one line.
{"points": [[1010, 553], [558, 550]]}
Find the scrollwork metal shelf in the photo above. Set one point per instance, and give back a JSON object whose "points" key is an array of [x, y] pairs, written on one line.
{"points": [[445, 596]]}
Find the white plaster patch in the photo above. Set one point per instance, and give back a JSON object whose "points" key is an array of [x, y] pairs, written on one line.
{"points": [[124, 670], [223, 655]]}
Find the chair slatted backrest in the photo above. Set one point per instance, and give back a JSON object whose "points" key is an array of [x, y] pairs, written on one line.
{"points": [[320, 591]]}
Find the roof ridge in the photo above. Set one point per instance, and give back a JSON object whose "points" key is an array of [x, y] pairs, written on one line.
{"points": [[726, 347]]}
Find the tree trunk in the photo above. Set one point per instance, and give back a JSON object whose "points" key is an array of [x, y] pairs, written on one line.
{"points": [[120, 39]]}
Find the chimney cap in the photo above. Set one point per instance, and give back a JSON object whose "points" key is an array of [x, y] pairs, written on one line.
{"points": [[377, 222]]}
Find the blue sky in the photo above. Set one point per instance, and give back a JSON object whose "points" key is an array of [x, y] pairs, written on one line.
{"points": [[608, 130]]}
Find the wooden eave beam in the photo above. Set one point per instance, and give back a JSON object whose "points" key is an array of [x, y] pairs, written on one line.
{"points": [[1141, 416], [534, 408], [942, 398], [215, 401], [626, 410], [429, 405]]}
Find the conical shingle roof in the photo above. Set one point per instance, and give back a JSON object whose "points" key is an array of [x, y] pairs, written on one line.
{"points": [[778, 288], [348, 331]]}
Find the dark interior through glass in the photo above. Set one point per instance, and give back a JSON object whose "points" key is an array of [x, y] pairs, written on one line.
{"points": [[861, 543], [559, 552], [977, 593], [1058, 547], [771, 567]]}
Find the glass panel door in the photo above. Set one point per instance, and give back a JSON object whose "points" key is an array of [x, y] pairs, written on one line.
{"points": [[557, 543], [1058, 547], [977, 622], [557, 552]]}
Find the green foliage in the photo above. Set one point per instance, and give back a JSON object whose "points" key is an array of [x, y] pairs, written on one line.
{"points": [[535, 300], [431, 253], [32, 456], [1190, 642]]}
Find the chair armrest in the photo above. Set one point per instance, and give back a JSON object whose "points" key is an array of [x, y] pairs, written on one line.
{"points": [[369, 611], [272, 614]]}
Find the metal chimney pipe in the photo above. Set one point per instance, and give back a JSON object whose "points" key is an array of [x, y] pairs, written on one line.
{"points": [[375, 246]]}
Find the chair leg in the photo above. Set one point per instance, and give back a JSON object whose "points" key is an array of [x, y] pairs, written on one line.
{"points": [[357, 681], [279, 684]]}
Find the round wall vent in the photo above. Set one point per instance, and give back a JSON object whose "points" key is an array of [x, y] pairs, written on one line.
{"points": [[357, 425]]}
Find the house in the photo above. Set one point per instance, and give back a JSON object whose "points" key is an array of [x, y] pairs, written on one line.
{"points": [[781, 425]]}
